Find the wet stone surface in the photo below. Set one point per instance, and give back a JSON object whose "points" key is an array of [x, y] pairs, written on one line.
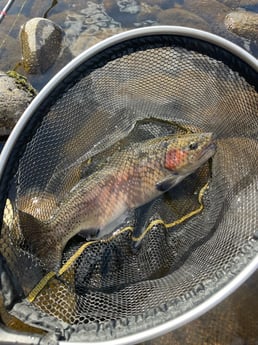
{"points": [[15, 96], [243, 23]]}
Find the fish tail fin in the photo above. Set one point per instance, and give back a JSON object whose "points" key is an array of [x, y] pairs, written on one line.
{"points": [[40, 238]]}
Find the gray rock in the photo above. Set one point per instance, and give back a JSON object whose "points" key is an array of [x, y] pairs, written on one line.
{"points": [[41, 43], [243, 23], [15, 95]]}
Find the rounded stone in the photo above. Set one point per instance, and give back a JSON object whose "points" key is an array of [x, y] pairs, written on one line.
{"points": [[15, 95], [41, 43], [243, 23]]}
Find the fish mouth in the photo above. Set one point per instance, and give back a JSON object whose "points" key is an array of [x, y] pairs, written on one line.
{"points": [[207, 152]]}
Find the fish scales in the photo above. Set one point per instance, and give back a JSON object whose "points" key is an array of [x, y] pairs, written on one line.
{"points": [[130, 178]]}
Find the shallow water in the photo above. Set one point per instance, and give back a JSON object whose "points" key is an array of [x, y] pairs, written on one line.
{"points": [[88, 22]]}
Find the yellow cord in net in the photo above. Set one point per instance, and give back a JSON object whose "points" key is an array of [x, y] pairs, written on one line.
{"points": [[33, 294]]}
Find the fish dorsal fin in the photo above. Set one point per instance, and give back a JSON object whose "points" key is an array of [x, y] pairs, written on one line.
{"points": [[40, 238]]}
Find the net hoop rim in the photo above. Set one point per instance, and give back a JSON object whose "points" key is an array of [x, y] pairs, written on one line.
{"points": [[99, 47]]}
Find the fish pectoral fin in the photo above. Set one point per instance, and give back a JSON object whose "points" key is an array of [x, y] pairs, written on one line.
{"points": [[89, 234], [168, 183], [40, 238]]}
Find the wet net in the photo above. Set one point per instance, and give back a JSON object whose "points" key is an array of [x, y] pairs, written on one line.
{"points": [[195, 238]]}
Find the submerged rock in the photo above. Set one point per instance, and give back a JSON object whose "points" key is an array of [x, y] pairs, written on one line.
{"points": [[15, 95], [243, 23], [85, 40], [214, 13], [148, 12], [41, 43], [240, 3], [164, 4], [90, 21], [123, 11], [178, 16], [210, 10]]}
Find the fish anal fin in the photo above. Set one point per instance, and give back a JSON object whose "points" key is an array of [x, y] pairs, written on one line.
{"points": [[41, 240]]}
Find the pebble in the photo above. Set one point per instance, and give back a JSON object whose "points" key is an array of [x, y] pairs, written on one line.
{"points": [[15, 95], [40, 38], [243, 23]]}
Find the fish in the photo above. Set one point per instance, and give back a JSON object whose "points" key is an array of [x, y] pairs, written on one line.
{"points": [[130, 178]]}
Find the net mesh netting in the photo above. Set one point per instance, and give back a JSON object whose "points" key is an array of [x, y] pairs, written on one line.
{"points": [[197, 237], [233, 322]]}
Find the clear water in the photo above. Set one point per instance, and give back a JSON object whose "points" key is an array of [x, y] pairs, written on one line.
{"points": [[78, 17]]}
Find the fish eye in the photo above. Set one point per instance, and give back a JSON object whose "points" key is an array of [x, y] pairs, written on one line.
{"points": [[165, 144], [193, 146]]}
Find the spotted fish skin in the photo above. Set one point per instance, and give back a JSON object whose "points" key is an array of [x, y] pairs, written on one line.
{"points": [[131, 178]]}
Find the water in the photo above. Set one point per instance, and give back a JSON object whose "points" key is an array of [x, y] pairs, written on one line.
{"points": [[88, 22]]}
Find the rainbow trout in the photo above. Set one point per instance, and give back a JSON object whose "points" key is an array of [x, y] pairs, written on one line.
{"points": [[131, 178]]}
